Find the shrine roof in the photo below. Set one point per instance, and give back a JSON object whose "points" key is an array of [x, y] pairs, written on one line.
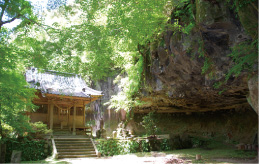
{"points": [[60, 83]]}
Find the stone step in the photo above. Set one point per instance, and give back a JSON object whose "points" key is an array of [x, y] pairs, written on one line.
{"points": [[62, 146], [76, 156], [77, 153], [73, 141], [74, 146], [76, 150]]}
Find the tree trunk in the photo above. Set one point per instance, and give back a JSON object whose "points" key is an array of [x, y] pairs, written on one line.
{"points": [[2, 152], [2, 145]]}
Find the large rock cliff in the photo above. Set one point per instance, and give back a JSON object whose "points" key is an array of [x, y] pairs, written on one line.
{"points": [[184, 69]]}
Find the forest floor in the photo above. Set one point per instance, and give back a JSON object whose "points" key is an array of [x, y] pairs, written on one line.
{"points": [[187, 156]]}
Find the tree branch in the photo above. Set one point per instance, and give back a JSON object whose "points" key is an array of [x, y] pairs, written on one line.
{"points": [[40, 25], [8, 21], [3, 10]]}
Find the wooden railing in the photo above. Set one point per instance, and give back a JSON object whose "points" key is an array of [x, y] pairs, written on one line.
{"points": [[54, 149], [96, 150]]}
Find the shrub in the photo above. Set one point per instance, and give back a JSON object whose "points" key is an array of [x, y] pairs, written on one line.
{"points": [[145, 146], [108, 147], [39, 128], [32, 150], [165, 145], [115, 147], [149, 123]]}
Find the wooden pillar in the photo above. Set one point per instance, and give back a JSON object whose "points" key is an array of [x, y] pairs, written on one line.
{"points": [[68, 117], [51, 115], [84, 114], [48, 115], [74, 119], [59, 110]]}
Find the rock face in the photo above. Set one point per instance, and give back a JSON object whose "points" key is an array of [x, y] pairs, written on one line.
{"points": [[239, 125], [181, 71], [185, 69], [253, 93], [99, 110]]}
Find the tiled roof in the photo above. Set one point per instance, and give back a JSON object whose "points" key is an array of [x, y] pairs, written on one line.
{"points": [[59, 83]]}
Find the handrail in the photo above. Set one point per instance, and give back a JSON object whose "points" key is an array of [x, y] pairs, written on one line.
{"points": [[96, 150], [54, 149]]}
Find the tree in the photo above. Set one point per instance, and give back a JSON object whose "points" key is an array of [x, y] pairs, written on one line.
{"points": [[15, 94], [128, 26], [150, 123], [16, 9]]}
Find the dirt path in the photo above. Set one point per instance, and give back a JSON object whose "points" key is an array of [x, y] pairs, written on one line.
{"points": [[156, 159], [124, 159]]}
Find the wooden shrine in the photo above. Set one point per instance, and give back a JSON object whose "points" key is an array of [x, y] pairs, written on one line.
{"points": [[62, 98]]}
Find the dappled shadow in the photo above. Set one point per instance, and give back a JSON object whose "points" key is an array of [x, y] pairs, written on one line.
{"points": [[153, 158]]}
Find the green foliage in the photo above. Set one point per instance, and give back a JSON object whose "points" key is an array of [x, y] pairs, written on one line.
{"points": [[239, 4], [32, 150], [15, 100], [108, 148], [198, 142], [150, 123], [183, 13], [165, 145], [145, 146], [206, 66], [15, 94], [130, 86], [39, 128], [16, 9], [245, 58], [187, 29], [105, 40], [115, 147]]}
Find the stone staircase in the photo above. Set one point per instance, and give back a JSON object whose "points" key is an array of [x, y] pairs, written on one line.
{"points": [[72, 146]]}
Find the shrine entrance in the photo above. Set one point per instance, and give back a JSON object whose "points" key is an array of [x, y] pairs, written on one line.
{"points": [[64, 117]]}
